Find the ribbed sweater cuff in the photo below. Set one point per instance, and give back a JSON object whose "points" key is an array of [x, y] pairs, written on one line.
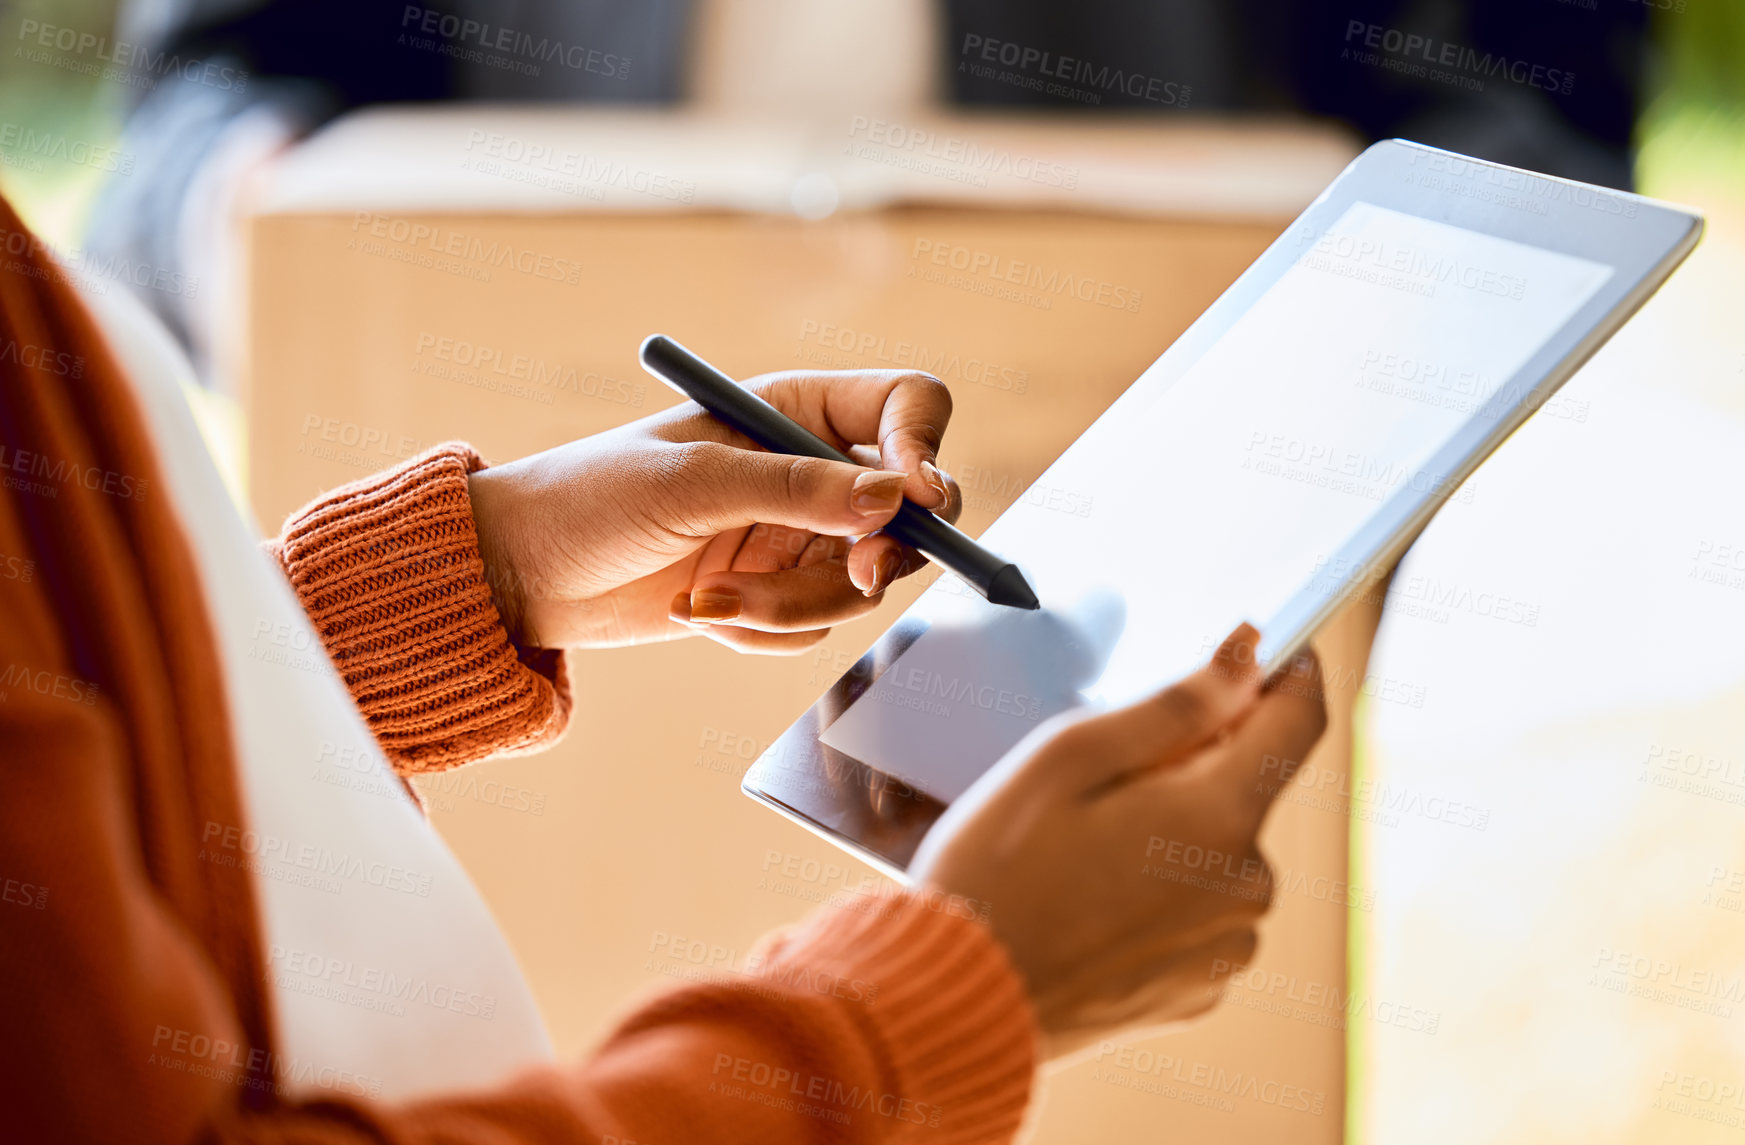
{"points": [[388, 569], [951, 1012]]}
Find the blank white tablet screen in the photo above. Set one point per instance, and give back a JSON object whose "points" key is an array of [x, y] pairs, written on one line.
{"points": [[1215, 502]]}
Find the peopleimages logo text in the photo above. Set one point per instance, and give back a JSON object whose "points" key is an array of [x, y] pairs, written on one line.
{"points": [[1411, 46], [1050, 65], [463, 33], [147, 65]]}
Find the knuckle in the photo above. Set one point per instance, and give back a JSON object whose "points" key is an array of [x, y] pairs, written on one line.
{"points": [[700, 462], [1075, 734], [1071, 739], [788, 611], [924, 437], [773, 385], [806, 479], [929, 402], [931, 390], [801, 479], [1186, 707]]}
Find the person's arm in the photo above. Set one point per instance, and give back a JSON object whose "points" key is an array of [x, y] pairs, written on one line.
{"points": [[443, 590], [119, 1025], [129, 964], [388, 569], [120, 1028]]}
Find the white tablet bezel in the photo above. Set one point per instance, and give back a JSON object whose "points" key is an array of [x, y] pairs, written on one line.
{"points": [[882, 818]]}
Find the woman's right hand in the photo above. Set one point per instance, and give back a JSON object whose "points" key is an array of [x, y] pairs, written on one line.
{"points": [[1118, 851]]}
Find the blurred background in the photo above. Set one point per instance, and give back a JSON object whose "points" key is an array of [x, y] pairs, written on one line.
{"points": [[379, 226]]}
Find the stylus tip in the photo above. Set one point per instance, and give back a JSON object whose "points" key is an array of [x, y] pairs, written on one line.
{"points": [[1011, 589]]}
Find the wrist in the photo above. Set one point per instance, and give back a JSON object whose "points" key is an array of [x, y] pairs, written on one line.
{"points": [[490, 497]]}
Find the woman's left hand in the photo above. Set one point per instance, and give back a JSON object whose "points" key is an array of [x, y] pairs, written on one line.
{"points": [[675, 524]]}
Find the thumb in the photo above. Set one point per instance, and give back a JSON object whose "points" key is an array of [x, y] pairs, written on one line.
{"points": [[719, 487], [1263, 755], [1163, 729]]}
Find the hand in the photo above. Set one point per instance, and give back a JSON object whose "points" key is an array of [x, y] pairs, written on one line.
{"points": [[1117, 851], [675, 524]]}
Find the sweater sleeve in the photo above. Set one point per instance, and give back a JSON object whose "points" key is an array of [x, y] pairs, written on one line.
{"points": [[388, 569], [891, 1022], [880, 1020]]}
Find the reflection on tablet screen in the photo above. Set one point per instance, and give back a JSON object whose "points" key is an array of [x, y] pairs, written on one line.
{"points": [[971, 688], [1226, 493]]}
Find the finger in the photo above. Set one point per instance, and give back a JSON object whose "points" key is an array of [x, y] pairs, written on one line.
{"points": [[953, 508], [903, 412], [825, 550], [876, 561], [717, 487], [1164, 729], [1271, 743], [792, 600], [768, 548], [868, 456]]}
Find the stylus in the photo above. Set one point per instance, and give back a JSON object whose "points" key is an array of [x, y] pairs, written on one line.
{"points": [[993, 576]]}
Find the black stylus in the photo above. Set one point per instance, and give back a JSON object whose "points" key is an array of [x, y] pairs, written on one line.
{"points": [[994, 577]]}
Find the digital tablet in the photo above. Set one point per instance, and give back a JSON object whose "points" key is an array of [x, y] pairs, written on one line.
{"points": [[1281, 454]]}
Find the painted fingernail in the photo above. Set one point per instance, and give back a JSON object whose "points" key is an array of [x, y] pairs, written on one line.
{"points": [[680, 608], [715, 604], [930, 473], [885, 568], [877, 493]]}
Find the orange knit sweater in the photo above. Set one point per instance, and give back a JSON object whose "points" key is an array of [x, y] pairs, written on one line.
{"points": [[130, 1000], [388, 570]]}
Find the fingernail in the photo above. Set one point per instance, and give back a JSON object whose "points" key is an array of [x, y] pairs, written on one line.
{"points": [[877, 493], [715, 604], [930, 474], [885, 568], [680, 608]]}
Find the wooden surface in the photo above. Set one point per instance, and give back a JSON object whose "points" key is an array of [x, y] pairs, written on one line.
{"points": [[631, 839]]}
